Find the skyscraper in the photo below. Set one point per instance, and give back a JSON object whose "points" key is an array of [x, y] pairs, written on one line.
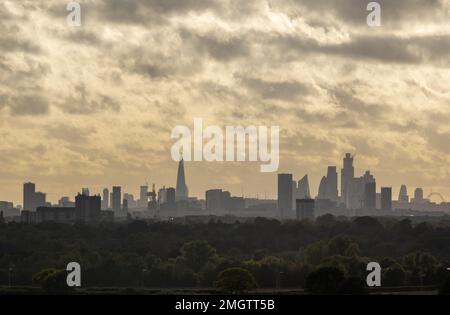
{"points": [[386, 198], [285, 195], [332, 183], [88, 208], [323, 188], [116, 200], [347, 174], [181, 192], [370, 195], [418, 195], [85, 191], [105, 201], [28, 196], [403, 194], [303, 188], [143, 197]]}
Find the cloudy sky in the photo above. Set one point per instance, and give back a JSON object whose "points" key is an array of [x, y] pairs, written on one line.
{"points": [[93, 106]]}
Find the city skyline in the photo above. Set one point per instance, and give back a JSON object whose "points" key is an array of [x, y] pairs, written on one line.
{"points": [[93, 106], [332, 190]]}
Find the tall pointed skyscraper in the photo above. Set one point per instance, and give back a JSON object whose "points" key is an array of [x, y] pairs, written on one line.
{"points": [[181, 192]]}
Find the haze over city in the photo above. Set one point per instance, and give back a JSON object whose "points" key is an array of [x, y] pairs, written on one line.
{"points": [[93, 106]]}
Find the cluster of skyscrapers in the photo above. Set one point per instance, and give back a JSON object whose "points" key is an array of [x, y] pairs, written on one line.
{"points": [[358, 196]]}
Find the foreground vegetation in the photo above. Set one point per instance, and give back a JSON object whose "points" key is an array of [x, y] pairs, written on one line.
{"points": [[266, 253]]}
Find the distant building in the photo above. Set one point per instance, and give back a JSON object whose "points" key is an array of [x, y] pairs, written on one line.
{"points": [[85, 191], [347, 175], [303, 191], [370, 195], [143, 197], [88, 208], [29, 190], [305, 209], [386, 198], [418, 195], [105, 200], [40, 199], [331, 184], [65, 202], [181, 189], [403, 194], [125, 205], [215, 203], [116, 200], [285, 195], [55, 214]]}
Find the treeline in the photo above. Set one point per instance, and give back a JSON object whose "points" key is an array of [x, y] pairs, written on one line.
{"points": [[168, 255]]}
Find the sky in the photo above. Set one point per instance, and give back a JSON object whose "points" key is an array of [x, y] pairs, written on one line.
{"points": [[94, 106]]}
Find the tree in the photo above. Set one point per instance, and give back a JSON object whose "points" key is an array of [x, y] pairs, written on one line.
{"points": [[197, 254], [325, 280], [236, 280], [394, 275], [52, 281], [445, 287]]}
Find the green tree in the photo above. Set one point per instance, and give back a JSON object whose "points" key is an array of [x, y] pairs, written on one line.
{"points": [[236, 280], [197, 254], [353, 286], [52, 281], [394, 275], [325, 280]]}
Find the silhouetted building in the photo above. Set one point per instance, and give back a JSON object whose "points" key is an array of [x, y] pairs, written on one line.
{"points": [[85, 191], [215, 201], [170, 195], [181, 189], [55, 214], [39, 199], [125, 205], [347, 174], [105, 201], [143, 197], [305, 209], [66, 203], [29, 190], [403, 194], [88, 208], [331, 184], [116, 200], [386, 198], [303, 191], [418, 195], [323, 188], [285, 195], [370, 195]]}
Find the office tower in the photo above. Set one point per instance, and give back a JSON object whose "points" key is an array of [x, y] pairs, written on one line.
{"points": [[370, 195], [116, 200], [356, 188], [331, 184], [403, 194], [28, 196], [39, 200], [170, 195], [214, 201], [162, 195], [323, 188], [305, 209], [294, 194], [303, 188], [386, 198], [85, 191], [125, 205], [347, 174], [88, 208], [143, 197], [181, 189], [65, 202], [418, 195], [105, 201], [285, 195]]}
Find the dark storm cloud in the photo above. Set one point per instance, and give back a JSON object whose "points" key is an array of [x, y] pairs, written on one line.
{"points": [[277, 90], [10, 44], [392, 11], [388, 49], [151, 11], [220, 48], [83, 103], [25, 105]]}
